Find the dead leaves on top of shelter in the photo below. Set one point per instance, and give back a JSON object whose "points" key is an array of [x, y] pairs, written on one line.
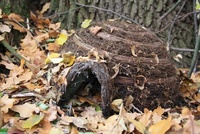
{"points": [[26, 95]]}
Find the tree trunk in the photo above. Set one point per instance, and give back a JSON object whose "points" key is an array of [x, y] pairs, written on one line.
{"points": [[14, 6], [145, 12]]}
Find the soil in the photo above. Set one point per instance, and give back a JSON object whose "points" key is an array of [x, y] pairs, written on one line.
{"points": [[145, 71]]}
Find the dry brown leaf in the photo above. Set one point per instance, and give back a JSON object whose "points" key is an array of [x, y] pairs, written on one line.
{"points": [[196, 77], [42, 37], [116, 70], [161, 127], [25, 110], [0, 13], [156, 118], [6, 103], [4, 28], [116, 104], [159, 111], [84, 99], [146, 117], [113, 125], [51, 114], [16, 26], [32, 86], [95, 29], [133, 51], [54, 27], [40, 23], [53, 47], [1, 118], [140, 82], [191, 126], [15, 17], [45, 7], [74, 130], [93, 117], [1, 38], [45, 127], [79, 122]]}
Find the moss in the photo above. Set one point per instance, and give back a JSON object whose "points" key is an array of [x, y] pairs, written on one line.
{"points": [[5, 7]]}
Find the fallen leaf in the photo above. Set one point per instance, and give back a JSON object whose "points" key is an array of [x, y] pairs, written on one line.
{"points": [[16, 26], [95, 29], [52, 55], [113, 125], [133, 51], [56, 60], [191, 126], [68, 58], [0, 13], [61, 39], [159, 111], [15, 17], [1, 38], [86, 23], [45, 7], [39, 22], [55, 130], [4, 28], [178, 57], [115, 105], [79, 122], [161, 127], [146, 117], [6, 103], [139, 126], [32, 121], [54, 26], [116, 70], [26, 110], [53, 47]]}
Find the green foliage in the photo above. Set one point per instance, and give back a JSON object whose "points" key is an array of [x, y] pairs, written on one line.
{"points": [[197, 6], [3, 131]]}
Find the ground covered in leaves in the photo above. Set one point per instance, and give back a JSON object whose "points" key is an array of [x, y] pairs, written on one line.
{"points": [[31, 85]]}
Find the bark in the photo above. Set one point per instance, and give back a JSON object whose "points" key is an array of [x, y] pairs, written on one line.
{"points": [[145, 12], [14, 6]]}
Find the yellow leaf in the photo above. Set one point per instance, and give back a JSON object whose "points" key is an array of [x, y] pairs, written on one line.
{"points": [[56, 60], [56, 131], [61, 39], [52, 55], [139, 126], [32, 121], [115, 105], [161, 127], [86, 23], [68, 58]]}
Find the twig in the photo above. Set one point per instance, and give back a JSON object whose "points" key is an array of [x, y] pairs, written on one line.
{"points": [[11, 50], [115, 13], [107, 10], [172, 25], [197, 44], [182, 49], [137, 109], [60, 13], [18, 56], [170, 10], [30, 34]]}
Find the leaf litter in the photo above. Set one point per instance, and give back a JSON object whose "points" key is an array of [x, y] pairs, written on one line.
{"points": [[22, 112]]}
